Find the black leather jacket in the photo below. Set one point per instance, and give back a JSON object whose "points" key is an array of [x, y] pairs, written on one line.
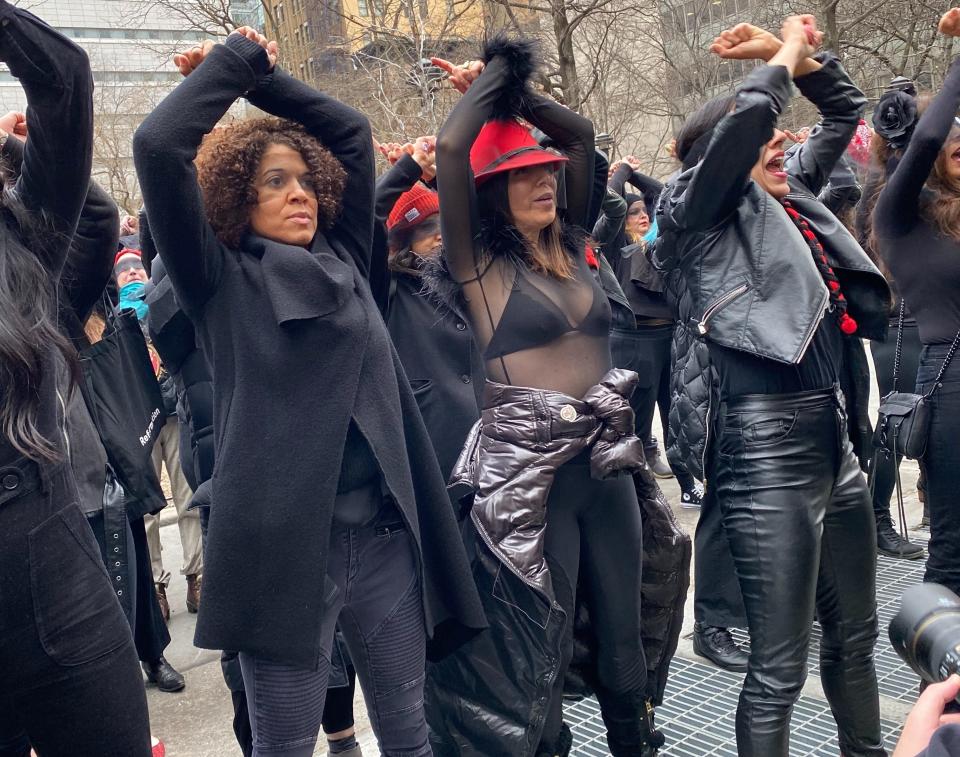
{"points": [[745, 276], [752, 281]]}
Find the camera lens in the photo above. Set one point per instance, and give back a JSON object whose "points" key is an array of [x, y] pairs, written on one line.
{"points": [[926, 631]]}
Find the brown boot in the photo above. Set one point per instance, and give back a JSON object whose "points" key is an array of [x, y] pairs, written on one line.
{"points": [[193, 592], [162, 601]]}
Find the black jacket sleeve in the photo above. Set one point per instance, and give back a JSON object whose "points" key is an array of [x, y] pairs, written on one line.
{"points": [[164, 148], [717, 184], [573, 136], [840, 104], [55, 75], [401, 177], [89, 262], [898, 207], [346, 133]]}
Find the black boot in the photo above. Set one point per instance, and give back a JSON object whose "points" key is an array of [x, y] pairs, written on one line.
{"points": [[162, 673], [629, 723], [891, 544], [658, 464], [718, 646]]}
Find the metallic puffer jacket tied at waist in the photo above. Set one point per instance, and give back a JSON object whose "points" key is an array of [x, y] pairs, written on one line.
{"points": [[512, 454]]}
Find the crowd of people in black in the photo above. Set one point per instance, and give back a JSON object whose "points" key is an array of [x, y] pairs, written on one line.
{"points": [[412, 416]]}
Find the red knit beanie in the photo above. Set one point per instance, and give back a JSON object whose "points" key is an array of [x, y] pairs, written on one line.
{"points": [[413, 208], [126, 251]]}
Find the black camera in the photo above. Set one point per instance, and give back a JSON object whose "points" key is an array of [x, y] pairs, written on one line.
{"points": [[926, 631]]}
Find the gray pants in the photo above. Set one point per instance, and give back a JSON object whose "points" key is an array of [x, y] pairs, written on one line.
{"points": [[380, 612]]}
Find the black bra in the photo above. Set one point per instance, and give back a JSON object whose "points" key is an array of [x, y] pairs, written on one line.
{"points": [[531, 319]]}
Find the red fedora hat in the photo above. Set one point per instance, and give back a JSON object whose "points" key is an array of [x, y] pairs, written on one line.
{"points": [[505, 145]]}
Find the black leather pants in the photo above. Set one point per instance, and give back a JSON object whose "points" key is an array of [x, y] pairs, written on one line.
{"points": [[799, 519]]}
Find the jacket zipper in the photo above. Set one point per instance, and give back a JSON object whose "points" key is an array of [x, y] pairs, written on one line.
{"points": [[721, 302], [816, 325]]}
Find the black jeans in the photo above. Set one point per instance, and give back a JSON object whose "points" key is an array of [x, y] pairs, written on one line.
{"points": [[797, 513], [375, 595], [150, 634], [883, 468], [941, 464], [646, 350], [69, 678], [594, 537]]}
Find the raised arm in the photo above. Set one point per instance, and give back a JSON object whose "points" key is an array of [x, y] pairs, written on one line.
{"points": [[55, 75], [459, 219], [164, 149], [717, 184], [346, 133], [840, 104], [898, 206], [572, 134]]}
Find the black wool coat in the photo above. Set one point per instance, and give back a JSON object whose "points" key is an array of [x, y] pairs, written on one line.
{"points": [[298, 348]]}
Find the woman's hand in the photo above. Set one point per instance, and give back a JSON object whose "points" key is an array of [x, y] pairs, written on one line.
{"points": [[461, 77], [746, 42], [254, 36], [392, 151], [425, 153], [14, 124], [800, 40], [927, 716], [187, 61], [802, 31], [950, 23]]}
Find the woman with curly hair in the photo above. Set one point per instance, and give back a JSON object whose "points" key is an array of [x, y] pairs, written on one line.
{"points": [[69, 678], [327, 500], [556, 430], [916, 229]]}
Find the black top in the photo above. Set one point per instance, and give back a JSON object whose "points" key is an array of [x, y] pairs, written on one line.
{"points": [[567, 348], [742, 373], [299, 353], [55, 75], [924, 262]]}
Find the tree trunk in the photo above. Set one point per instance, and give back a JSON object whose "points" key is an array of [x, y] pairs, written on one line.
{"points": [[569, 83]]}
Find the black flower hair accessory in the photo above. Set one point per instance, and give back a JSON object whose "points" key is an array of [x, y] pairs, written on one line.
{"points": [[895, 117]]}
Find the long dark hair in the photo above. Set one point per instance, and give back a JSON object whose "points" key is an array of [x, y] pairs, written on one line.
{"points": [[28, 330], [551, 257]]}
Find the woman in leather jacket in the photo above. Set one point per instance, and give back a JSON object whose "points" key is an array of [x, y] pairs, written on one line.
{"points": [[69, 678], [556, 426], [776, 284]]}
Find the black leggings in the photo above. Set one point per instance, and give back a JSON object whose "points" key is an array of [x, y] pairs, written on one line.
{"points": [[883, 469], [797, 514], [594, 535]]}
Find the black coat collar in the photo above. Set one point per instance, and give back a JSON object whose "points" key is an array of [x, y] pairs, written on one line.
{"points": [[301, 283]]}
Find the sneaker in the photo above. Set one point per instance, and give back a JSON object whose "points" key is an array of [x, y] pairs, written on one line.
{"points": [[718, 646], [157, 749], [691, 500]]}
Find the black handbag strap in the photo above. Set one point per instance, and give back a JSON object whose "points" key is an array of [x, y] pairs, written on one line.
{"points": [[946, 362], [896, 359]]}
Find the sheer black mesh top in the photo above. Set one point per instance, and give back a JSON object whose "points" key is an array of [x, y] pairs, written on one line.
{"points": [[534, 329]]}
